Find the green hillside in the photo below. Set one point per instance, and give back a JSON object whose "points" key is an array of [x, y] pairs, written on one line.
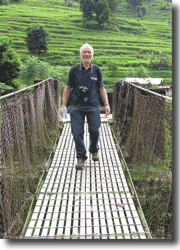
{"points": [[126, 40]]}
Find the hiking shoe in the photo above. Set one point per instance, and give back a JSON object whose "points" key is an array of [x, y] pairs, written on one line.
{"points": [[80, 163], [95, 156]]}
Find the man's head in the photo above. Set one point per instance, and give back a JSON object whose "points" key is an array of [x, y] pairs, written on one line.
{"points": [[86, 53]]}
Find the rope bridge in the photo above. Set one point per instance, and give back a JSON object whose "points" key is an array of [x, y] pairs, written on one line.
{"points": [[44, 196], [93, 203]]}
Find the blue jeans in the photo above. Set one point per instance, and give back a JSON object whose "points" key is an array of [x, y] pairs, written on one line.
{"points": [[77, 114]]}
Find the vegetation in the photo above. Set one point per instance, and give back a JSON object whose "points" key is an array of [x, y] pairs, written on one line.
{"points": [[37, 39], [34, 69], [6, 2], [161, 61], [140, 72], [99, 10], [86, 8], [124, 39], [9, 63], [134, 4]]}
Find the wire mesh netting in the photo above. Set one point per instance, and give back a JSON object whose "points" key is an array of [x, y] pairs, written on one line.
{"points": [[143, 128], [29, 128]]}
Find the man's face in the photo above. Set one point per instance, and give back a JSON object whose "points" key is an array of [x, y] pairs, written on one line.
{"points": [[86, 55]]}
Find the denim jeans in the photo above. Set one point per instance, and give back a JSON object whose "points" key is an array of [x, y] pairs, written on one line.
{"points": [[77, 114]]}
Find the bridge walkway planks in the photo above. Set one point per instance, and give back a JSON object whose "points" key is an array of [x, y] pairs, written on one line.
{"points": [[93, 203]]}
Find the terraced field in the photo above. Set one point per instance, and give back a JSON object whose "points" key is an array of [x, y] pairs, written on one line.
{"points": [[126, 40]]}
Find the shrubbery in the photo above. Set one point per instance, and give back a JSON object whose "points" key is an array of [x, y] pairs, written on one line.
{"points": [[37, 39], [9, 62], [160, 61], [3, 2], [140, 72], [4, 87], [6, 2], [34, 69]]}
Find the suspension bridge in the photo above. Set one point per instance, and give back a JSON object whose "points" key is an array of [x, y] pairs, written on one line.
{"points": [[98, 202]]}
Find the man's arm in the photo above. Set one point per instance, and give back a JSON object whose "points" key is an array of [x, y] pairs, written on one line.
{"points": [[104, 97], [66, 94]]}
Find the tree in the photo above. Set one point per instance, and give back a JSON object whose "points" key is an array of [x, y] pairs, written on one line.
{"points": [[17, 1], [144, 10], [6, 2], [9, 62], [96, 9], [3, 2], [99, 10], [113, 5], [86, 8], [102, 11], [134, 3], [37, 39]]}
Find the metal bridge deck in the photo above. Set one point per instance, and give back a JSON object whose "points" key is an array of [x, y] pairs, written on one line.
{"points": [[93, 203]]}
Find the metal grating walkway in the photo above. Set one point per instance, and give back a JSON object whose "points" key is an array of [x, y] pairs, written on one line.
{"points": [[94, 203]]}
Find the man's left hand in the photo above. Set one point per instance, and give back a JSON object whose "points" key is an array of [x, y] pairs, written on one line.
{"points": [[107, 110]]}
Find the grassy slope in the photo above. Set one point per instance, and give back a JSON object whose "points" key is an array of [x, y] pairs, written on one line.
{"points": [[127, 41]]}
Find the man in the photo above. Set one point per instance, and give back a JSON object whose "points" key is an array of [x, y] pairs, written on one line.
{"points": [[85, 80]]}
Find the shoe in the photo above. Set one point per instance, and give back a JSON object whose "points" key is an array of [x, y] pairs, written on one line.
{"points": [[95, 156], [80, 163]]}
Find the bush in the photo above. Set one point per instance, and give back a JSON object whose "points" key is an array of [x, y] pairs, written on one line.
{"points": [[140, 14], [60, 74], [140, 72], [37, 39], [161, 61], [112, 66], [9, 62], [34, 69], [5, 2], [4, 87], [16, 1], [130, 73], [144, 10]]}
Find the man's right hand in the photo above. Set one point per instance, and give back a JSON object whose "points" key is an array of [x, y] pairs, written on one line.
{"points": [[64, 111], [65, 97], [60, 112]]}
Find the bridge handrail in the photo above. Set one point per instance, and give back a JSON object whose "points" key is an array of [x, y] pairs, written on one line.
{"points": [[143, 129], [29, 128], [149, 91], [21, 90]]}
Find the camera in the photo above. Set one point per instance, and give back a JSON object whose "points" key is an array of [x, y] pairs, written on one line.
{"points": [[83, 92], [83, 89]]}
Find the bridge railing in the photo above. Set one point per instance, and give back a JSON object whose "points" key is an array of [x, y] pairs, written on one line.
{"points": [[29, 127], [143, 130]]}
